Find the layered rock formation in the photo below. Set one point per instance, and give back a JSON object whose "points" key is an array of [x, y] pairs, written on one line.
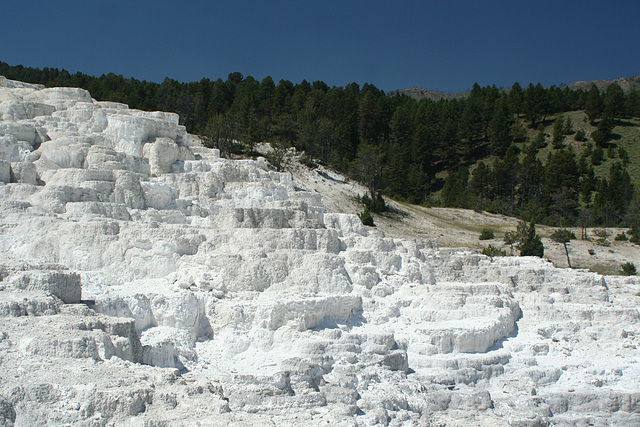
{"points": [[147, 281]]}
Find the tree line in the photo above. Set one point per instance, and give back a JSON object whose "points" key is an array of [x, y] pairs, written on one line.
{"points": [[483, 151]]}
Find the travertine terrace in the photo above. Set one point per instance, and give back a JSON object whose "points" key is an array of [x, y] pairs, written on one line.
{"points": [[146, 281]]}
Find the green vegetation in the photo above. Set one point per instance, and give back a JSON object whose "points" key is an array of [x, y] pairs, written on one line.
{"points": [[503, 151], [510, 238], [635, 234], [563, 236], [529, 243], [366, 217], [486, 234], [491, 252], [308, 162], [629, 269]]}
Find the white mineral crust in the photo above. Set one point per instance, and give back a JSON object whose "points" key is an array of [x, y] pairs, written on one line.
{"points": [[145, 281]]}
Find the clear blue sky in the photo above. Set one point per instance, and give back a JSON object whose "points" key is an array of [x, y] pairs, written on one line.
{"points": [[444, 45]]}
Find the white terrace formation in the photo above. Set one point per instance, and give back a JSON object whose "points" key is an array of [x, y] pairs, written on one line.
{"points": [[145, 281]]}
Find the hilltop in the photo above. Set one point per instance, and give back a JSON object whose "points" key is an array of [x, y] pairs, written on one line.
{"points": [[419, 93], [626, 83]]}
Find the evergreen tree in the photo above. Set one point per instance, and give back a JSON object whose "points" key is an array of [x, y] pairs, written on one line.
{"points": [[632, 103], [567, 128], [530, 190], [624, 156], [540, 140], [561, 185], [517, 132], [614, 101], [455, 188], [597, 156], [368, 168], [558, 132], [536, 103], [499, 128], [621, 189], [516, 99], [530, 243], [593, 106], [604, 133], [506, 172], [481, 184], [563, 236]]}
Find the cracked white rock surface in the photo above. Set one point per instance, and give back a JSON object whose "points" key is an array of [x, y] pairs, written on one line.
{"points": [[146, 281]]}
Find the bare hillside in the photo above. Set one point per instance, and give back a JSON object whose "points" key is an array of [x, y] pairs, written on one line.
{"points": [[460, 228]]}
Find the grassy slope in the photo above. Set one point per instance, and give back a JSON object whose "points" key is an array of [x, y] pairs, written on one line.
{"points": [[458, 228], [629, 133]]}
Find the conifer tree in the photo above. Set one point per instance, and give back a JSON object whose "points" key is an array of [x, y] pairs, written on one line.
{"points": [[558, 132], [530, 243], [593, 106]]}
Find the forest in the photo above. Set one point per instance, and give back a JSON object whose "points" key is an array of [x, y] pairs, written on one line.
{"points": [[552, 155]]}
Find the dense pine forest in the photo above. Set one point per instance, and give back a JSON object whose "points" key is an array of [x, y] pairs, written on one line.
{"points": [[553, 155]]}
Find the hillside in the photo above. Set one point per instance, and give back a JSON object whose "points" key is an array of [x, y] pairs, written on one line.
{"points": [[422, 152], [460, 228]]}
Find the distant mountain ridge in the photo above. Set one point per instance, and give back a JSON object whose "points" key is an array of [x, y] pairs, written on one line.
{"points": [[419, 93], [626, 83]]}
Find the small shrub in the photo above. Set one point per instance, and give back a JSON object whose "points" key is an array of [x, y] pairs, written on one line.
{"points": [[378, 205], [486, 234], [629, 269], [563, 235], [491, 251], [580, 136], [366, 217], [592, 252], [602, 233], [308, 162], [622, 237]]}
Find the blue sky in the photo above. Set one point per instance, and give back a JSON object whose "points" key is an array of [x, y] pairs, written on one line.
{"points": [[446, 45]]}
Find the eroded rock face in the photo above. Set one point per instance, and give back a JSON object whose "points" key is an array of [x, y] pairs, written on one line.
{"points": [[147, 281]]}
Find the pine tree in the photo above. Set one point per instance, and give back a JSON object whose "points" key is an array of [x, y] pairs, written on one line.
{"points": [[536, 103], [593, 106], [516, 99], [567, 129], [563, 236], [499, 128], [558, 132], [614, 101], [530, 243], [604, 133]]}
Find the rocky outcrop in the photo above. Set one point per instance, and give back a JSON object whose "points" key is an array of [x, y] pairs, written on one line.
{"points": [[144, 280]]}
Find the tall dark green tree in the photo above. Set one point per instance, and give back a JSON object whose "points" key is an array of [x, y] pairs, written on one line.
{"points": [[499, 128], [516, 99], [454, 192], [614, 101], [594, 105], [530, 243], [535, 104]]}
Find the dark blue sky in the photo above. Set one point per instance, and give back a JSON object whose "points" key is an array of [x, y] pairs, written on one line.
{"points": [[445, 45]]}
